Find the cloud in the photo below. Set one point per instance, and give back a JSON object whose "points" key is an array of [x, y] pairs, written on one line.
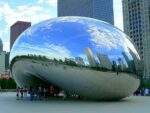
{"points": [[104, 38], [24, 13], [9, 15], [1, 32], [51, 2], [119, 21], [118, 16], [6, 45]]}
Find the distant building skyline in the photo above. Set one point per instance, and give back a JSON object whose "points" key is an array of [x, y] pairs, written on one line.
{"points": [[98, 9], [16, 29]]}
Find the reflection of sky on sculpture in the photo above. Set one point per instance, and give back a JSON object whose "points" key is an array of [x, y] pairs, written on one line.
{"points": [[68, 37]]}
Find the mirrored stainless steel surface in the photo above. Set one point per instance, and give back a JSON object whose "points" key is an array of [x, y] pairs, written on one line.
{"points": [[77, 54]]}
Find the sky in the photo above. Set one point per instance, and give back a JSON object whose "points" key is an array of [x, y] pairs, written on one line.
{"points": [[35, 11]]}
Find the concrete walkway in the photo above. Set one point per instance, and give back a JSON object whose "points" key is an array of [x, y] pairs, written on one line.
{"points": [[9, 104]]}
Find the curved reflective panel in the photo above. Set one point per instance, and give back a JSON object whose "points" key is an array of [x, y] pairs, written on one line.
{"points": [[77, 53]]}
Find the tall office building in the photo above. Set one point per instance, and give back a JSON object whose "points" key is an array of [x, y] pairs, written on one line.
{"points": [[137, 25], [16, 29], [99, 9], [4, 62]]}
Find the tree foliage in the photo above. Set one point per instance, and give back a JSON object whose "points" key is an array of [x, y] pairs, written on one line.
{"points": [[7, 83]]}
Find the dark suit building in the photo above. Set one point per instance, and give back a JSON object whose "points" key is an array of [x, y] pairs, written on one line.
{"points": [[16, 29]]}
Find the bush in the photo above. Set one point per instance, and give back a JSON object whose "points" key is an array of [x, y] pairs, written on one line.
{"points": [[145, 84], [7, 83]]}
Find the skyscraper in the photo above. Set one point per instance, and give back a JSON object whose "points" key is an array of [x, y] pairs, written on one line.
{"points": [[137, 25], [99, 9], [4, 62], [16, 29]]}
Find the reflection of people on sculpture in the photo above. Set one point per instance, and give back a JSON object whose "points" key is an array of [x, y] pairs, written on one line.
{"points": [[118, 69]]}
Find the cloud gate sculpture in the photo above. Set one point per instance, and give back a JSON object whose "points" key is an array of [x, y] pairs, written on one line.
{"points": [[81, 55]]}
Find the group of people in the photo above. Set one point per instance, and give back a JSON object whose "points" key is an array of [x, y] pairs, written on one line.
{"points": [[37, 93], [142, 92]]}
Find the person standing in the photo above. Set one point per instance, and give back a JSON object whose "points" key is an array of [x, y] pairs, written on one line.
{"points": [[39, 92], [52, 91], [25, 91], [17, 93], [21, 92]]}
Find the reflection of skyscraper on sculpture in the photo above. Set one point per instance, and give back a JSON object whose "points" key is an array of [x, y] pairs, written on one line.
{"points": [[137, 64], [130, 63], [79, 61], [90, 57], [114, 66], [104, 60], [122, 64], [126, 58]]}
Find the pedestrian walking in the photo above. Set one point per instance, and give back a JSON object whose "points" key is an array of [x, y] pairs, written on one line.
{"points": [[17, 94]]}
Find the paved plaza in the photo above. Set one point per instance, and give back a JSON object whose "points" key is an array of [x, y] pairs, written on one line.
{"points": [[132, 104]]}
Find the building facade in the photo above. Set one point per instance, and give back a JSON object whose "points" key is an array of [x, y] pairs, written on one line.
{"points": [[4, 62], [137, 25], [99, 9], [16, 29]]}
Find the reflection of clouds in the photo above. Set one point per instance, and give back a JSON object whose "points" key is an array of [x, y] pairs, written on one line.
{"points": [[48, 24], [112, 40], [30, 31], [103, 37], [48, 50]]}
